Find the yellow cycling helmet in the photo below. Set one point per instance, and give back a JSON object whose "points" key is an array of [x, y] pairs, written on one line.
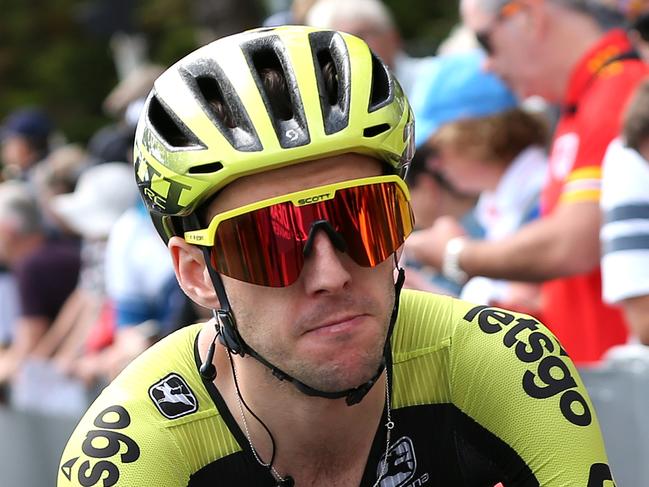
{"points": [[210, 119]]}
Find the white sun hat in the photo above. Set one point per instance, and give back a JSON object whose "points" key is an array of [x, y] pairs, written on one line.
{"points": [[102, 194]]}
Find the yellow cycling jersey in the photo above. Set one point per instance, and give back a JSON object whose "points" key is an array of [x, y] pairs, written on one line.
{"points": [[480, 395]]}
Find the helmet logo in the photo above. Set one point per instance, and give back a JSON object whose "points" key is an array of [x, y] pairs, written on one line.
{"points": [[161, 193]]}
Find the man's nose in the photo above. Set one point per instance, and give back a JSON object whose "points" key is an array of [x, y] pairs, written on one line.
{"points": [[325, 267]]}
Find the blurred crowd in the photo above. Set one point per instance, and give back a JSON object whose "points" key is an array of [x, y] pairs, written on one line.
{"points": [[530, 188]]}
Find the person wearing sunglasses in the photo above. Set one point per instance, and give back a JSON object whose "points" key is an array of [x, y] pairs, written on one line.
{"points": [[272, 162], [562, 51]]}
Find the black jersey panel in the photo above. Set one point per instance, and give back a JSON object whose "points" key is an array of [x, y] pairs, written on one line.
{"points": [[433, 445]]}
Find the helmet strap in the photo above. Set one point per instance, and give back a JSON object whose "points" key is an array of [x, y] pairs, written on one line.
{"points": [[230, 338]]}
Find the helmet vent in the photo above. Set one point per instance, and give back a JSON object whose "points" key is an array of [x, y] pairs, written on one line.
{"points": [[174, 133], [278, 87], [210, 89], [375, 130], [269, 70], [329, 77], [206, 168], [382, 91], [220, 102], [332, 73]]}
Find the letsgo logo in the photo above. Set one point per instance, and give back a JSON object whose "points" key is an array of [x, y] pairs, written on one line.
{"points": [[600, 476], [552, 375], [105, 448]]}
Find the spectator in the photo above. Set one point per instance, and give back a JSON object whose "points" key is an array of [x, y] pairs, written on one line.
{"points": [[143, 291], [46, 272], [25, 141], [371, 21], [625, 205], [58, 174], [589, 72], [102, 195], [433, 196], [501, 157], [481, 143], [295, 14], [456, 88]]}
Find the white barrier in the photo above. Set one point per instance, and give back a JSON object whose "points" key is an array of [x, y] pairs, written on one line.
{"points": [[30, 447], [619, 390]]}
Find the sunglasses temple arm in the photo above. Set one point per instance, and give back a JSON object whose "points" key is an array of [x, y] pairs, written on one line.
{"points": [[224, 303]]}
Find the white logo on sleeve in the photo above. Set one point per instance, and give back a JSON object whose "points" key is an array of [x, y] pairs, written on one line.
{"points": [[173, 397]]}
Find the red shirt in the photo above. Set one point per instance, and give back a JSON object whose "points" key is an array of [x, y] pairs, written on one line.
{"points": [[596, 97]]}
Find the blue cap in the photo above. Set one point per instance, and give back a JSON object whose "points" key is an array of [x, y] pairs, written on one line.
{"points": [[454, 87], [27, 122]]}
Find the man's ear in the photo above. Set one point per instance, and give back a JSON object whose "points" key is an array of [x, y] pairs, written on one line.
{"points": [[191, 272]]}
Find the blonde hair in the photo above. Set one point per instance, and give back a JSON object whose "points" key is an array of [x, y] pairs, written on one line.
{"points": [[495, 139]]}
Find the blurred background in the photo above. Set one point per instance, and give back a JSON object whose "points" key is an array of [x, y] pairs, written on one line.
{"points": [[67, 55], [73, 77]]}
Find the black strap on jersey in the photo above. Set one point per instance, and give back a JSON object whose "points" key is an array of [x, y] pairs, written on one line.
{"points": [[630, 55]]}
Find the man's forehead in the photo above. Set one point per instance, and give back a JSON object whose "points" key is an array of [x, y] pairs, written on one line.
{"points": [[278, 182]]}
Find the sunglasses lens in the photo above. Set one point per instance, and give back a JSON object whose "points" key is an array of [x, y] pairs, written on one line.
{"points": [[262, 247], [266, 246], [378, 225]]}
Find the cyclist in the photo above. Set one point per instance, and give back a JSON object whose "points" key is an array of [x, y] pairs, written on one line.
{"points": [[272, 163]]}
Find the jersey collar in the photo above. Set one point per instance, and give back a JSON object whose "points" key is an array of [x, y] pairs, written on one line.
{"points": [[612, 45]]}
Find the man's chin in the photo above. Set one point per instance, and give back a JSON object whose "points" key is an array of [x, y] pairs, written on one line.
{"points": [[336, 379]]}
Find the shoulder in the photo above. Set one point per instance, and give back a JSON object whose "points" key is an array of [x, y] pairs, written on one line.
{"points": [[425, 320], [146, 423], [621, 75], [485, 349], [468, 336], [508, 373], [625, 176], [611, 90]]}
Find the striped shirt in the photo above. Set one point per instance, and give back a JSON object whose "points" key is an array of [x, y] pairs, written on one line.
{"points": [[597, 92], [625, 229]]}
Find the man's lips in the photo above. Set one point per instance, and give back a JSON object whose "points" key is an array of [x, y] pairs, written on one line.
{"points": [[338, 324]]}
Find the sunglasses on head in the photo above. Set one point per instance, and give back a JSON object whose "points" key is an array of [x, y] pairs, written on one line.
{"points": [[266, 242]]}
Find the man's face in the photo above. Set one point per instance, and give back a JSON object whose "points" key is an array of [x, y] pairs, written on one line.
{"points": [[328, 328], [513, 51], [16, 153], [464, 172]]}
